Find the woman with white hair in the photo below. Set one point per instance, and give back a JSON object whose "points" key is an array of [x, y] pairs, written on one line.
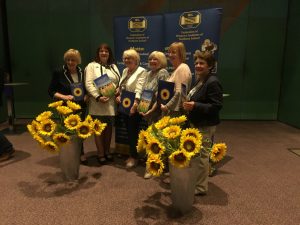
{"points": [[132, 78], [157, 63], [62, 80]]}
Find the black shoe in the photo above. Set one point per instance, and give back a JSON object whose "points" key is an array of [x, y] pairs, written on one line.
{"points": [[197, 193], [7, 155], [102, 160], [212, 172], [109, 157], [84, 162]]}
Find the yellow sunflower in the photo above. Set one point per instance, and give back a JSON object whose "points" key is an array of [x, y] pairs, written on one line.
{"points": [[179, 159], [39, 139], [154, 147], [84, 130], [178, 120], [172, 132], [142, 141], [162, 123], [33, 128], [64, 110], [149, 130], [72, 121], [47, 127], [194, 132], [89, 119], [98, 127], [73, 105], [43, 116], [55, 104], [155, 165], [61, 138], [190, 144], [51, 147], [218, 152]]}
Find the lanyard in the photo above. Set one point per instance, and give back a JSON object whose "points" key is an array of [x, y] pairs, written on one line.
{"points": [[65, 73], [194, 89]]}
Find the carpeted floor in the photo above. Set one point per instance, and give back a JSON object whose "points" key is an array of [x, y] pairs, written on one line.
{"points": [[257, 183]]}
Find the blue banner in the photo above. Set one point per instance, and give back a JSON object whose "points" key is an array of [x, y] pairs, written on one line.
{"points": [[198, 29], [142, 33]]}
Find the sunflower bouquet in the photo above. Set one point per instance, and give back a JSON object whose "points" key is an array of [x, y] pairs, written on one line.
{"points": [[216, 153], [167, 140], [51, 133]]}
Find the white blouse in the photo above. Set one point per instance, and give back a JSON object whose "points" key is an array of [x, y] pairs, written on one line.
{"points": [[135, 81], [182, 75], [93, 71]]}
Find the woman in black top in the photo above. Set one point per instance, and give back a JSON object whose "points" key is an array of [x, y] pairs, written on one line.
{"points": [[203, 106], [64, 79]]}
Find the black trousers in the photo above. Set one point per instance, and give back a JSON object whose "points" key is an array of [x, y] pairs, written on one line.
{"points": [[133, 127], [5, 145]]}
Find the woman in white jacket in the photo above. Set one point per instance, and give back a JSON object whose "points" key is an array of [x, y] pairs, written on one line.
{"points": [[101, 107], [131, 80]]}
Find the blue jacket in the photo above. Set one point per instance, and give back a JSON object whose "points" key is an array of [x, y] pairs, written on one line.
{"points": [[208, 103]]}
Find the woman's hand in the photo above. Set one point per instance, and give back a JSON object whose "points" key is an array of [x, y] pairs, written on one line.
{"points": [[86, 98], [68, 97], [117, 91], [188, 106], [103, 99], [133, 108], [118, 99], [164, 108], [147, 114]]}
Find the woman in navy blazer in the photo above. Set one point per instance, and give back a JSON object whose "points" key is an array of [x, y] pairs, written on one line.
{"points": [[203, 105], [63, 78]]}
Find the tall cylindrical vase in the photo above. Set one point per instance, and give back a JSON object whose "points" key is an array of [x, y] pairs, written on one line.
{"points": [[69, 158], [183, 182]]}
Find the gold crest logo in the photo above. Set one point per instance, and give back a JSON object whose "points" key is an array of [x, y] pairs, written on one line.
{"points": [[137, 24], [190, 19]]}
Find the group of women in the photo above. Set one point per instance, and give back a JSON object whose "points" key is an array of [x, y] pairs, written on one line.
{"points": [[202, 102]]}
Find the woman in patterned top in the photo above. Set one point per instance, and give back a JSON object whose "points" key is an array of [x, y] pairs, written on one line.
{"points": [[157, 62]]}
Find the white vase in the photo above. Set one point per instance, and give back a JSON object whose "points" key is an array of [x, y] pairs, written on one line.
{"points": [[183, 183], [69, 158]]}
